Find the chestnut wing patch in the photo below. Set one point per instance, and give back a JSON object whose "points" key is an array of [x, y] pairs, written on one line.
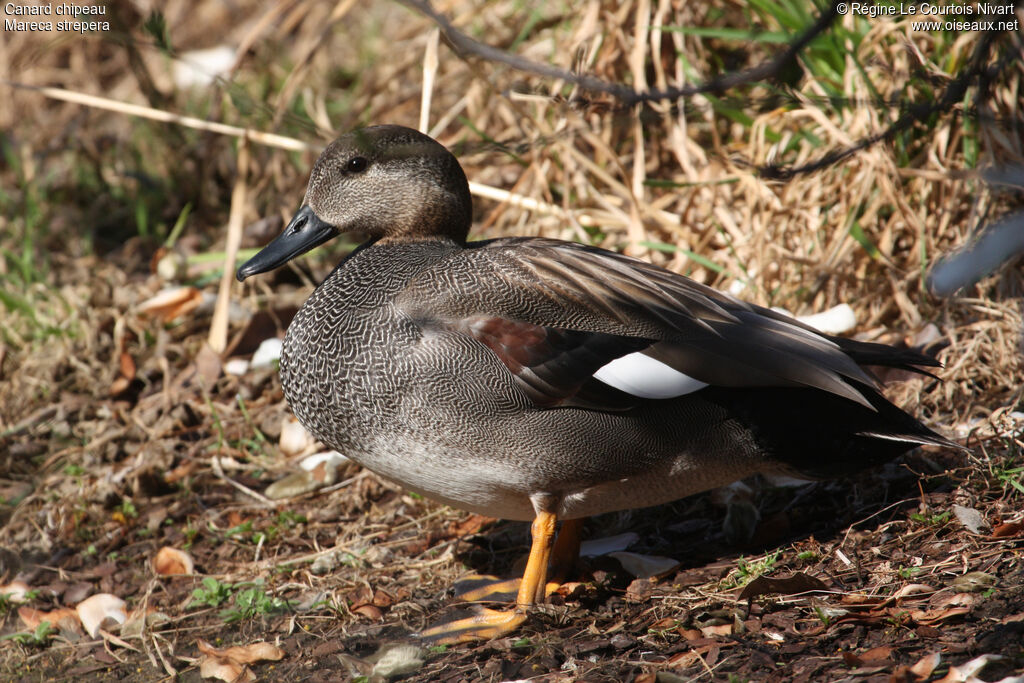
{"points": [[555, 367]]}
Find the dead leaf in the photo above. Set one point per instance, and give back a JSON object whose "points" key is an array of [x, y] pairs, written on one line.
{"points": [[139, 620], [32, 617], [396, 659], [972, 520], [912, 589], [292, 485], [645, 566], [790, 585], [966, 671], [127, 365], [666, 624], [972, 582], [127, 370], [171, 561], [182, 471], [208, 365], [638, 590], [172, 303], [382, 598], [926, 665], [294, 439], [15, 591], [597, 547], [369, 611], [231, 664], [468, 526], [1008, 529], [930, 617], [719, 630], [98, 610]]}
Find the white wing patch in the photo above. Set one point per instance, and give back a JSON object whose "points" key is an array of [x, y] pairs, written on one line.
{"points": [[646, 377]]}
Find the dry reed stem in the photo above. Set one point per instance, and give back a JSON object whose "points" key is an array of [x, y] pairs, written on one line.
{"points": [[218, 337]]}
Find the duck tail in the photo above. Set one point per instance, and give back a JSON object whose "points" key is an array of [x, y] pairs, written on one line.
{"points": [[883, 355]]}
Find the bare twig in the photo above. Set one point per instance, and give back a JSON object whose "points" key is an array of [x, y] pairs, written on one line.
{"points": [[466, 46]]}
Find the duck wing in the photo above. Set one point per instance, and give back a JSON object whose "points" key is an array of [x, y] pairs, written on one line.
{"points": [[558, 313]]}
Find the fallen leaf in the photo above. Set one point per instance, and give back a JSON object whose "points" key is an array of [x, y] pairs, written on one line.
{"points": [[912, 589], [127, 365], [172, 303], [292, 485], [469, 526], [397, 659], [182, 471], [603, 546], [926, 665], [294, 439], [171, 561], [966, 671], [638, 590], [15, 591], [683, 659], [1008, 529], [208, 365], [645, 566], [139, 620], [231, 664], [790, 585], [972, 520], [98, 610], [719, 630], [369, 611], [382, 598], [930, 617], [972, 582], [32, 617]]}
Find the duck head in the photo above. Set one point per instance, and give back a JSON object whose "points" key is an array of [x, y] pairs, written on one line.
{"points": [[389, 182]]}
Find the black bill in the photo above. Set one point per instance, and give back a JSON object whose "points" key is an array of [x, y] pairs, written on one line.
{"points": [[304, 232]]}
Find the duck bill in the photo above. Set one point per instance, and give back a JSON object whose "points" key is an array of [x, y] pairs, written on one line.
{"points": [[304, 232]]}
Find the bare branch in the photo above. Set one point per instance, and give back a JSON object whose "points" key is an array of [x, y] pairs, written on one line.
{"points": [[465, 46]]}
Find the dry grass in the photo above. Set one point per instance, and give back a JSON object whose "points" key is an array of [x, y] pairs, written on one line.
{"points": [[309, 69]]}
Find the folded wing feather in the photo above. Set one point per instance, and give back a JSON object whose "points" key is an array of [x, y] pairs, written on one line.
{"points": [[562, 315]]}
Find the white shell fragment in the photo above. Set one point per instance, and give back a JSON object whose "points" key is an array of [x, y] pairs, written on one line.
{"points": [[836, 320], [99, 610], [330, 458], [269, 351], [200, 68], [295, 440], [611, 544]]}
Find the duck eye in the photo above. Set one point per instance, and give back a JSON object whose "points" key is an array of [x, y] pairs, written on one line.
{"points": [[356, 164]]}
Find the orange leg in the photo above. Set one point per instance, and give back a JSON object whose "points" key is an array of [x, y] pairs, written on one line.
{"points": [[566, 552], [564, 557], [490, 623]]}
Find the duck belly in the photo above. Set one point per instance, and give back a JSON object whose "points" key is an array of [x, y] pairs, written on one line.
{"points": [[590, 461]]}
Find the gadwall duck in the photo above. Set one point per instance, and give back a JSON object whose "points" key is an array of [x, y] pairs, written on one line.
{"points": [[537, 379]]}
